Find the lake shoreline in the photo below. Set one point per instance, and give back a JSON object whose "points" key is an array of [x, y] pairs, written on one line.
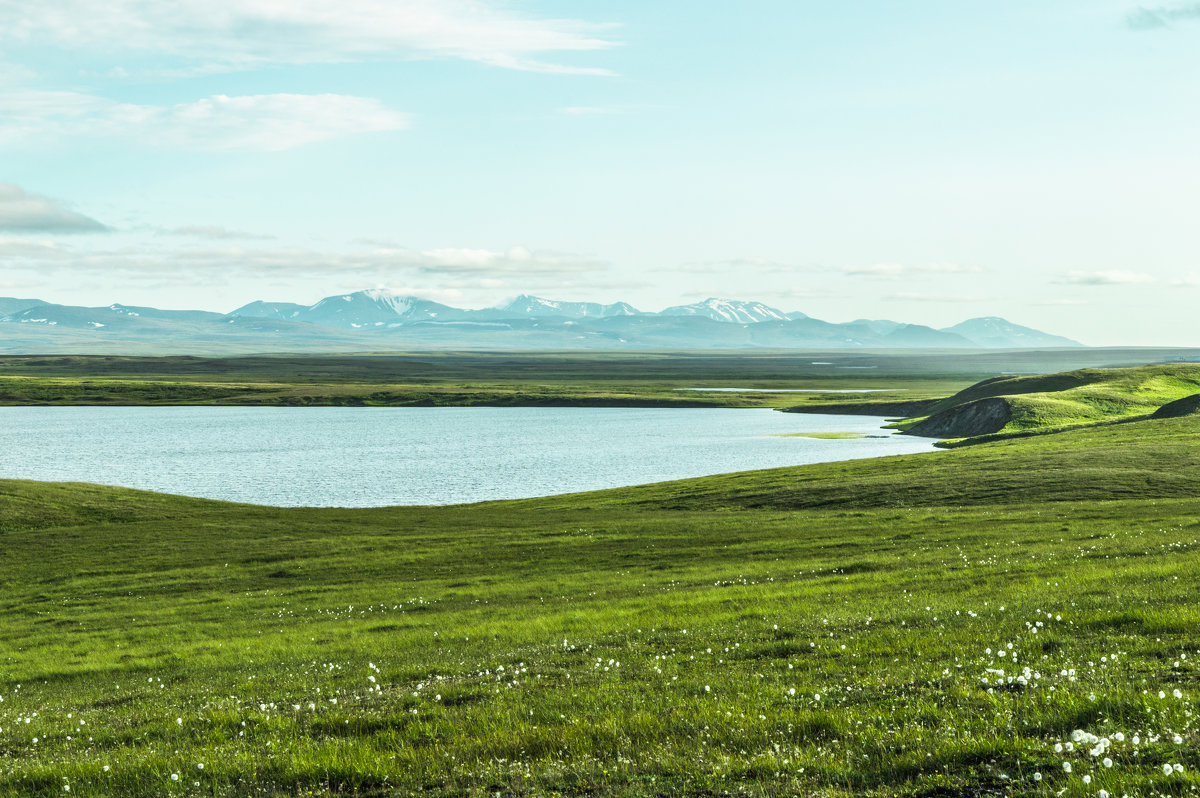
{"points": [[364, 457]]}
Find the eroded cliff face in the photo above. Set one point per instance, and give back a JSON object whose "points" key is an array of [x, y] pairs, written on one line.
{"points": [[982, 417]]}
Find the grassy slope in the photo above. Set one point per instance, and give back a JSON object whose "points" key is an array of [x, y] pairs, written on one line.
{"points": [[1060, 401], [1144, 459], [818, 630]]}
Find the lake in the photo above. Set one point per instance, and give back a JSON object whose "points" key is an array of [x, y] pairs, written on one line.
{"points": [[368, 457]]}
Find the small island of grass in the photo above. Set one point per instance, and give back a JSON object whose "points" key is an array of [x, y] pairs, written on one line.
{"points": [[830, 436]]}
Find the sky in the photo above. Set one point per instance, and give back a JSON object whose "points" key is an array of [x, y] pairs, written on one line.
{"points": [[925, 162]]}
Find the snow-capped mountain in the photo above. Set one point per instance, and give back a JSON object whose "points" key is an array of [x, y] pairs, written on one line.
{"points": [[357, 311], [731, 310], [375, 308], [527, 306], [379, 320], [380, 308]]}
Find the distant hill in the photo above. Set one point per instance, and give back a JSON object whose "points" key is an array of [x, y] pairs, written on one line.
{"points": [[119, 316], [910, 336], [14, 305], [880, 326], [383, 320], [287, 311], [994, 332]]}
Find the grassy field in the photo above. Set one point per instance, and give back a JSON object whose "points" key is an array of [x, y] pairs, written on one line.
{"points": [[593, 379], [1013, 618], [449, 379]]}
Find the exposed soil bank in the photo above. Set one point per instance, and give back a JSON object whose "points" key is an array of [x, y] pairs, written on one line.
{"points": [[982, 417]]}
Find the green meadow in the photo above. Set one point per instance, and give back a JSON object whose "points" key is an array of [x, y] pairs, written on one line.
{"points": [[902, 383], [1017, 617]]}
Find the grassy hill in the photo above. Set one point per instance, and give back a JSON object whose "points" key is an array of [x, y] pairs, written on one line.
{"points": [[1052, 402], [929, 625]]}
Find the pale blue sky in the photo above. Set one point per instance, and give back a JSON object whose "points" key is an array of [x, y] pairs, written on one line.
{"points": [[925, 161]]}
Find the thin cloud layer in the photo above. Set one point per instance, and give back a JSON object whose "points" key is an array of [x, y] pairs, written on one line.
{"points": [[920, 297], [21, 211], [215, 233], [1112, 277], [897, 271], [245, 34], [205, 262], [591, 110], [735, 266], [1162, 17], [475, 275], [13, 248], [255, 123]]}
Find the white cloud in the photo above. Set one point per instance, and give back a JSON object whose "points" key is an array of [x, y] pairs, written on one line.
{"points": [[1144, 18], [19, 285], [897, 271], [215, 233], [12, 248], [591, 110], [1112, 277], [516, 260], [1054, 303], [14, 73], [241, 34], [735, 266], [480, 274], [804, 293], [256, 123], [1191, 281], [920, 297], [22, 211], [203, 262]]}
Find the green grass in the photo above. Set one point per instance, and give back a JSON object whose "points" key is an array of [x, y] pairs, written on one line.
{"points": [[1103, 395], [461, 379], [820, 630], [829, 436], [101, 391], [1054, 402], [554, 378]]}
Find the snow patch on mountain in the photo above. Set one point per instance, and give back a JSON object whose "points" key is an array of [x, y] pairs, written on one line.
{"points": [[730, 310], [399, 304], [528, 306]]}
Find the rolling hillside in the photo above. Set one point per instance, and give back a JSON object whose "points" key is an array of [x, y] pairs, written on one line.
{"points": [[1038, 404]]}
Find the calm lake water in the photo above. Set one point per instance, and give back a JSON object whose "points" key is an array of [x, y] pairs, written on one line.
{"points": [[366, 457]]}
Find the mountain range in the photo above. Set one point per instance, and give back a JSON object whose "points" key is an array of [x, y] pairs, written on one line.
{"points": [[377, 320]]}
